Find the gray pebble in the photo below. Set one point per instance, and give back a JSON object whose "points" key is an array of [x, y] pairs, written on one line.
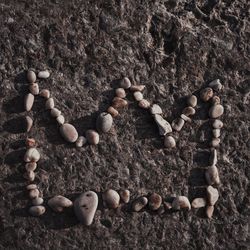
{"points": [[60, 119], [31, 76], [44, 74], [45, 93], [119, 103], [68, 132], [198, 203], [212, 175], [58, 203], [50, 104], [188, 111], [215, 142], [104, 122], [163, 125], [54, 112], [212, 195], [29, 123], [125, 195], [177, 124], [216, 111], [37, 201], [34, 89], [139, 204], [217, 124], [113, 111], [169, 142], [120, 92], [156, 110], [81, 141], [206, 94], [34, 193], [92, 137], [111, 198], [192, 101], [216, 132], [215, 85], [125, 83], [154, 201], [32, 155], [29, 101], [37, 210], [181, 202], [209, 211], [138, 96]]}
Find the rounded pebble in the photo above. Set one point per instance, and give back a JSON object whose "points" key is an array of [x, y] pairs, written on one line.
{"points": [[138, 96], [186, 118], [104, 122], [29, 101], [58, 203], [55, 112], [177, 124], [212, 195], [119, 103], [140, 88], [217, 124], [181, 202], [31, 76], [34, 193], [68, 132], [125, 195], [60, 119], [192, 101], [111, 198], [216, 111], [120, 92], [212, 175], [169, 142], [145, 104], [29, 175], [139, 203], [34, 88], [37, 210], [154, 201], [30, 166], [81, 141], [198, 203], [45, 93], [29, 123], [188, 111], [215, 142], [206, 94], [44, 74], [125, 83], [216, 132], [37, 201], [209, 211], [215, 85], [156, 110], [50, 104], [30, 142], [92, 137], [113, 111], [32, 154], [31, 186]]}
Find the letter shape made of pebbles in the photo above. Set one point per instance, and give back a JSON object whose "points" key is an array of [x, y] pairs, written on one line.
{"points": [[85, 207], [68, 132]]}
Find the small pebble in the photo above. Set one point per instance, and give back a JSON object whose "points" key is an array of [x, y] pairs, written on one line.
{"points": [[37, 201], [212, 175], [113, 111], [125, 83], [34, 89], [68, 132], [140, 88], [177, 124], [206, 94], [163, 125], [29, 175], [31, 76], [44, 74], [45, 93], [215, 85], [31, 186], [217, 124], [216, 132], [120, 92], [215, 142], [111, 198], [198, 203], [50, 104], [60, 119], [213, 157], [29, 123], [32, 155], [216, 111], [34, 193], [58, 203], [81, 141], [104, 122], [186, 118], [37, 210], [192, 101], [54, 112], [154, 201], [212, 195], [209, 211], [138, 96], [125, 195], [145, 104], [188, 111], [92, 137], [119, 103], [169, 142], [30, 166], [30, 142], [139, 204], [156, 110], [28, 101], [215, 100], [181, 202]]}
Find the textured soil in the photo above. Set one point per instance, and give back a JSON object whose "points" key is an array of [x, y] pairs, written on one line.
{"points": [[174, 48]]}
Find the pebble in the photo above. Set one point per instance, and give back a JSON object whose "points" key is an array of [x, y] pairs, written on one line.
{"points": [[81, 141], [138, 96], [31, 186], [29, 175], [213, 157], [181, 202], [125, 83], [104, 122], [28, 101], [216, 111], [145, 104], [198, 203], [111, 198], [215, 85], [139, 203], [30, 166], [92, 137], [167, 205], [37, 210], [31, 76], [125, 195], [44, 74], [163, 125], [29, 123], [188, 111], [140, 88], [58, 203], [120, 92], [209, 211], [32, 155], [34, 88], [113, 111], [154, 201], [34, 193], [217, 124], [169, 142], [45, 93], [212, 175], [186, 118], [215, 142], [215, 100], [30, 142], [206, 94], [177, 124], [50, 104], [156, 110], [37, 201], [212, 195], [55, 112], [192, 101], [68, 132], [216, 132], [85, 207], [119, 103], [60, 119]]}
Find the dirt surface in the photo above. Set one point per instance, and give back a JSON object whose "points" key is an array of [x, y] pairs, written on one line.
{"points": [[172, 47]]}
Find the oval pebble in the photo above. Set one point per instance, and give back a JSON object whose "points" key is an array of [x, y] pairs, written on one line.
{"points": [[81, 141], [44, 74], [34, 89], [145, 104], [119, 103], [212, 175], [28, 101], [32, 154], [31, 76], [60, 119], [169, 142], [188, 111], [181, 202], [30, 166], [120, 92], [45, 93], [177, 124], [198, 203], [92, 137], [37, 201], [217, 124], [111, 198], [186, 118], [29, 123], [31, 186], [215, 85], [138, 96], [192, 101], [58, 203], [154, 201], [209, 211], [68, 132], [125, 195], [104, 122], [206, 94], [139, 203], [55, 112], [34, 193], [156, 110], [29, 175], [37, 210], [50, 104], [140, 88], [212, 195], [113, 111], [216, 132], [125, 83], [216, 111]]}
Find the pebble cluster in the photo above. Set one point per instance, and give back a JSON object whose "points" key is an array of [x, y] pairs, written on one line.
{"points": [[86, 204]]}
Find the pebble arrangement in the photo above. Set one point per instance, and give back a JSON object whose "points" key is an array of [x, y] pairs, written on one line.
{"points": [[86, 204]]}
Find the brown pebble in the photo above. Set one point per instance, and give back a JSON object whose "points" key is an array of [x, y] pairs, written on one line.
{"points": [[145, 104], [30, 142], [206, 94], [31, 76], [181, 202], [30, 166], [125, 195], [186, 118], [45, 93], [55, 112], [125, 83], [188, 111], [34, 89], [209, 211], [92, 137], [140, 88], [113, 111], [34, 193], [119, 103], [154, 201], [120, 92], [29, 123], [37, 210], [31, 187], [198, 203], [28, 101], [192, 101]]}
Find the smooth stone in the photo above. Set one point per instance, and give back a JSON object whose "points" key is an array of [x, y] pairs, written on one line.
{"points": [[119, 103], [28, 101], [92, 137], [37, 210], [34, 89], [50, 104], [113, 111], [140, 88], [31, 186], [45, 93], [215, 100], [215, 142], [145, 104], [120, 92], [138, 96], [81, 141], [29, 175], [30, 142], [181, 202], [212, 195], [37, 201], [213, 157], [29, 123], [192, 101], [198, 203], [186, 118], [209, 211], [85, 207], [139, 203], [154, 201], [156, 110], [212, 175], [216, 111], [125, 83], [31, 76], [177, 124], [111, 198], [188, 111], [125, 195], [217, 124], [58, 203], [68, 132], [104, 122], [32, 154], [215, 85], [163, 125], [169, 142], [206, 94], [60, 119], [34, 193], [30, 166], [44, 74], [216, 132], [55, 112]]}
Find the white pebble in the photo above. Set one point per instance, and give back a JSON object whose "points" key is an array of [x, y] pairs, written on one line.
{"points": [[32, 155], [60, 119], [44, 74], [29, 101], [138, 96], [50, 104]]}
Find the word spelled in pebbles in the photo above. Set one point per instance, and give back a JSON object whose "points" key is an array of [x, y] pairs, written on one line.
{"points": [[216, 111], [28, 101], [34, 89], [125, 83], [156, 110], [206, 94], [215, 142], [34, 193], [45, 93], [37, 210], [216, 132], [140, 88], [29, 123], [198, 203], [216, 85], [85, 207], [81, 141], [139, 203], [192, 101], [213, 157], [30, 142], [154, 201], [169, 142], [163, 125], [44, 74], [29, 175], [212, 175], [104, 122], [188, 111], [111, 198], [181, 202], [138, 96], [212, 195], [68, 132], [125, 195], [119, 103], [120, 92], [92, 137], [113, 111], [50, 104], [217, 124], [32, 155], [60, 119], [31, 186], [145, 104], [54, 112], [37, 201], [58, 203], [209, 211], [177, 124], [31, 76]]}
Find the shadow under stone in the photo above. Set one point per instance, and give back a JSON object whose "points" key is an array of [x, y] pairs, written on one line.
{"points": [[15, 157], [197, 178], [15, 105], [16, 125]]}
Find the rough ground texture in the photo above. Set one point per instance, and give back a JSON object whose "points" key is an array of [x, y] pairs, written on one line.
{"points": [[174, 48]]}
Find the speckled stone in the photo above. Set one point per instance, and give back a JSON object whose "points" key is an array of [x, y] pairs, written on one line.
{"points": [[192, 101], [37, 210], [154, 201], [92, 137], [68, 132], [31, 76], [212, 195], [139, 204], [206, 94], [169, 142], [198, 203], [44, 74], [125, 195], [32, 154], [37, 201], [28, 101], [58, 203], [163, 125], [125, 83], [29, 123], [104, 122], [111, 198], [111, 110], [181, 202], [212, 175], [216, 111], [215, 100], [140, 88]]}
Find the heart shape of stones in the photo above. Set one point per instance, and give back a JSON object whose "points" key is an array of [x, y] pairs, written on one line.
{"points": [[86, 204]]}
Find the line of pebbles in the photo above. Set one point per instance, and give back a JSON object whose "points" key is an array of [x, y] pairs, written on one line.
{"points": [[86, 204]]}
